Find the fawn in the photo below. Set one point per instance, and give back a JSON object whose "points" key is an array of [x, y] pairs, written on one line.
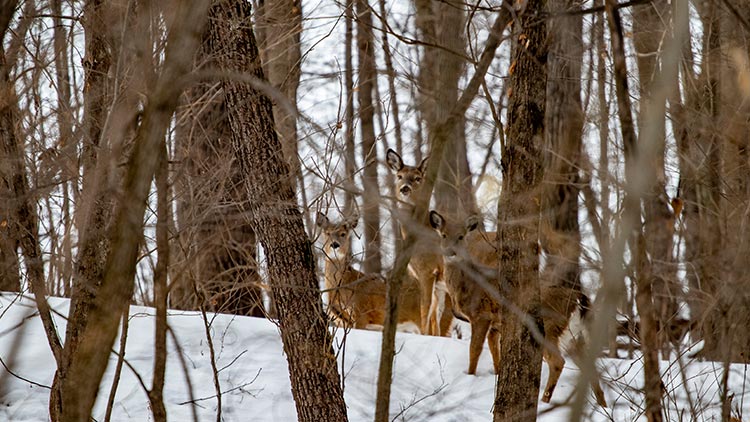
{"points": [[356, 299], [462, 245], [426, 263]]}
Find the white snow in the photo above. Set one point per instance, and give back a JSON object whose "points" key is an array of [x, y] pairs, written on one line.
{"points": [[430, 381]]}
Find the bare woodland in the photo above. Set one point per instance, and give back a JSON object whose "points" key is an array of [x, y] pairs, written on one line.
{"points": [[504, 163]]}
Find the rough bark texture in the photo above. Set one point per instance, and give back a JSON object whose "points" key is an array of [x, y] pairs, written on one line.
{"points": [[517, 388], [441, 26], [81, 382], [274, 214], [10, 279], [371, 192]]}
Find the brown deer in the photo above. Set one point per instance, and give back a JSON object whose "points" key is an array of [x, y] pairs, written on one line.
{"points": [[466, 260], [470, 260], [356, 299], [426, 263]]}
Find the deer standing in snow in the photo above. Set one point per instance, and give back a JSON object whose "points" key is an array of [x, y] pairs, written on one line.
{"points": [[426, 263], [356, 299], [470, 261]]}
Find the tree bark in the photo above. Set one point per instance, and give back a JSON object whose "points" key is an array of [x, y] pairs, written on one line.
{"points": [[274, 214], [370, 186], [517, 388], [10, 278], [441, 25]]}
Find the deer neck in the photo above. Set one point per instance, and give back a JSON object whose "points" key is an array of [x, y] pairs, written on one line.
{"points": [[406, 210]]}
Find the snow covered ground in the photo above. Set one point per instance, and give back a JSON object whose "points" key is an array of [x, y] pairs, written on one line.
{"points": [[430, 382]]}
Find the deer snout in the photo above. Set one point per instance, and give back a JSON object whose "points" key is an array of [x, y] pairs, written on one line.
{"points": [[405, 190], [335, 245]]}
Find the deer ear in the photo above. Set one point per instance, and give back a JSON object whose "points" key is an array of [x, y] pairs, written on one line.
{"points": [[321, 220], [436, 220], [394, 160], [472, 222], [423, 164]]}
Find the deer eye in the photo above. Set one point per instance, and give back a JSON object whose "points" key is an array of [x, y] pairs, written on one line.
{"points": [[418, 179], [342, 234], [399, 177], [443, 234], [461, 237]]}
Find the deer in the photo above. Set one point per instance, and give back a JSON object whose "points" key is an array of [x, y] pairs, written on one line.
{"points": [[470, 259], [357, 299], [426, 264]]}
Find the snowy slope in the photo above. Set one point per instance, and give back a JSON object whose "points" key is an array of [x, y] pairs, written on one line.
{"points": [[430, 381]]}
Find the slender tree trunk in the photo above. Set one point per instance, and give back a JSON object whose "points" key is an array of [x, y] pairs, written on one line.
{"points": [[350, 164], [163, 215], [517, 388], [649, 35], [441, 25], [280, 23], [632, 207], [371, 192], [65, 125], [278, 222]]}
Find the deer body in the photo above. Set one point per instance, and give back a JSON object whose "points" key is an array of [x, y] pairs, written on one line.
{"points": [[356, 299], [471, 260]]}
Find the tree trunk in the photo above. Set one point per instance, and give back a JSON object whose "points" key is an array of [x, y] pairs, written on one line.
{"points": [[371, 192], [80, 384], [274, 214], [279, 24], [218, 245], [517, 388], [441, 25], [649, 34], [10, 278], [350, 162], [635, 157]]}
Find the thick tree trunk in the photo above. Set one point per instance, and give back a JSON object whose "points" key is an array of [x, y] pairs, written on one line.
{"points": [[10, 278], [371, 192], [274, 214], [517, 389]]}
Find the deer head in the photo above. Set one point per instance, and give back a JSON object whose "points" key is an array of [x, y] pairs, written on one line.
{"points": [[336, 236], [453, 235], [408, 178]]}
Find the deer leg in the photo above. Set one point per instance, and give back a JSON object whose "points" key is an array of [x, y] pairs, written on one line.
{"points": [[446, 319], [555, 362], [479, 329], [425, 303], [595, 385], [493, 338]]}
